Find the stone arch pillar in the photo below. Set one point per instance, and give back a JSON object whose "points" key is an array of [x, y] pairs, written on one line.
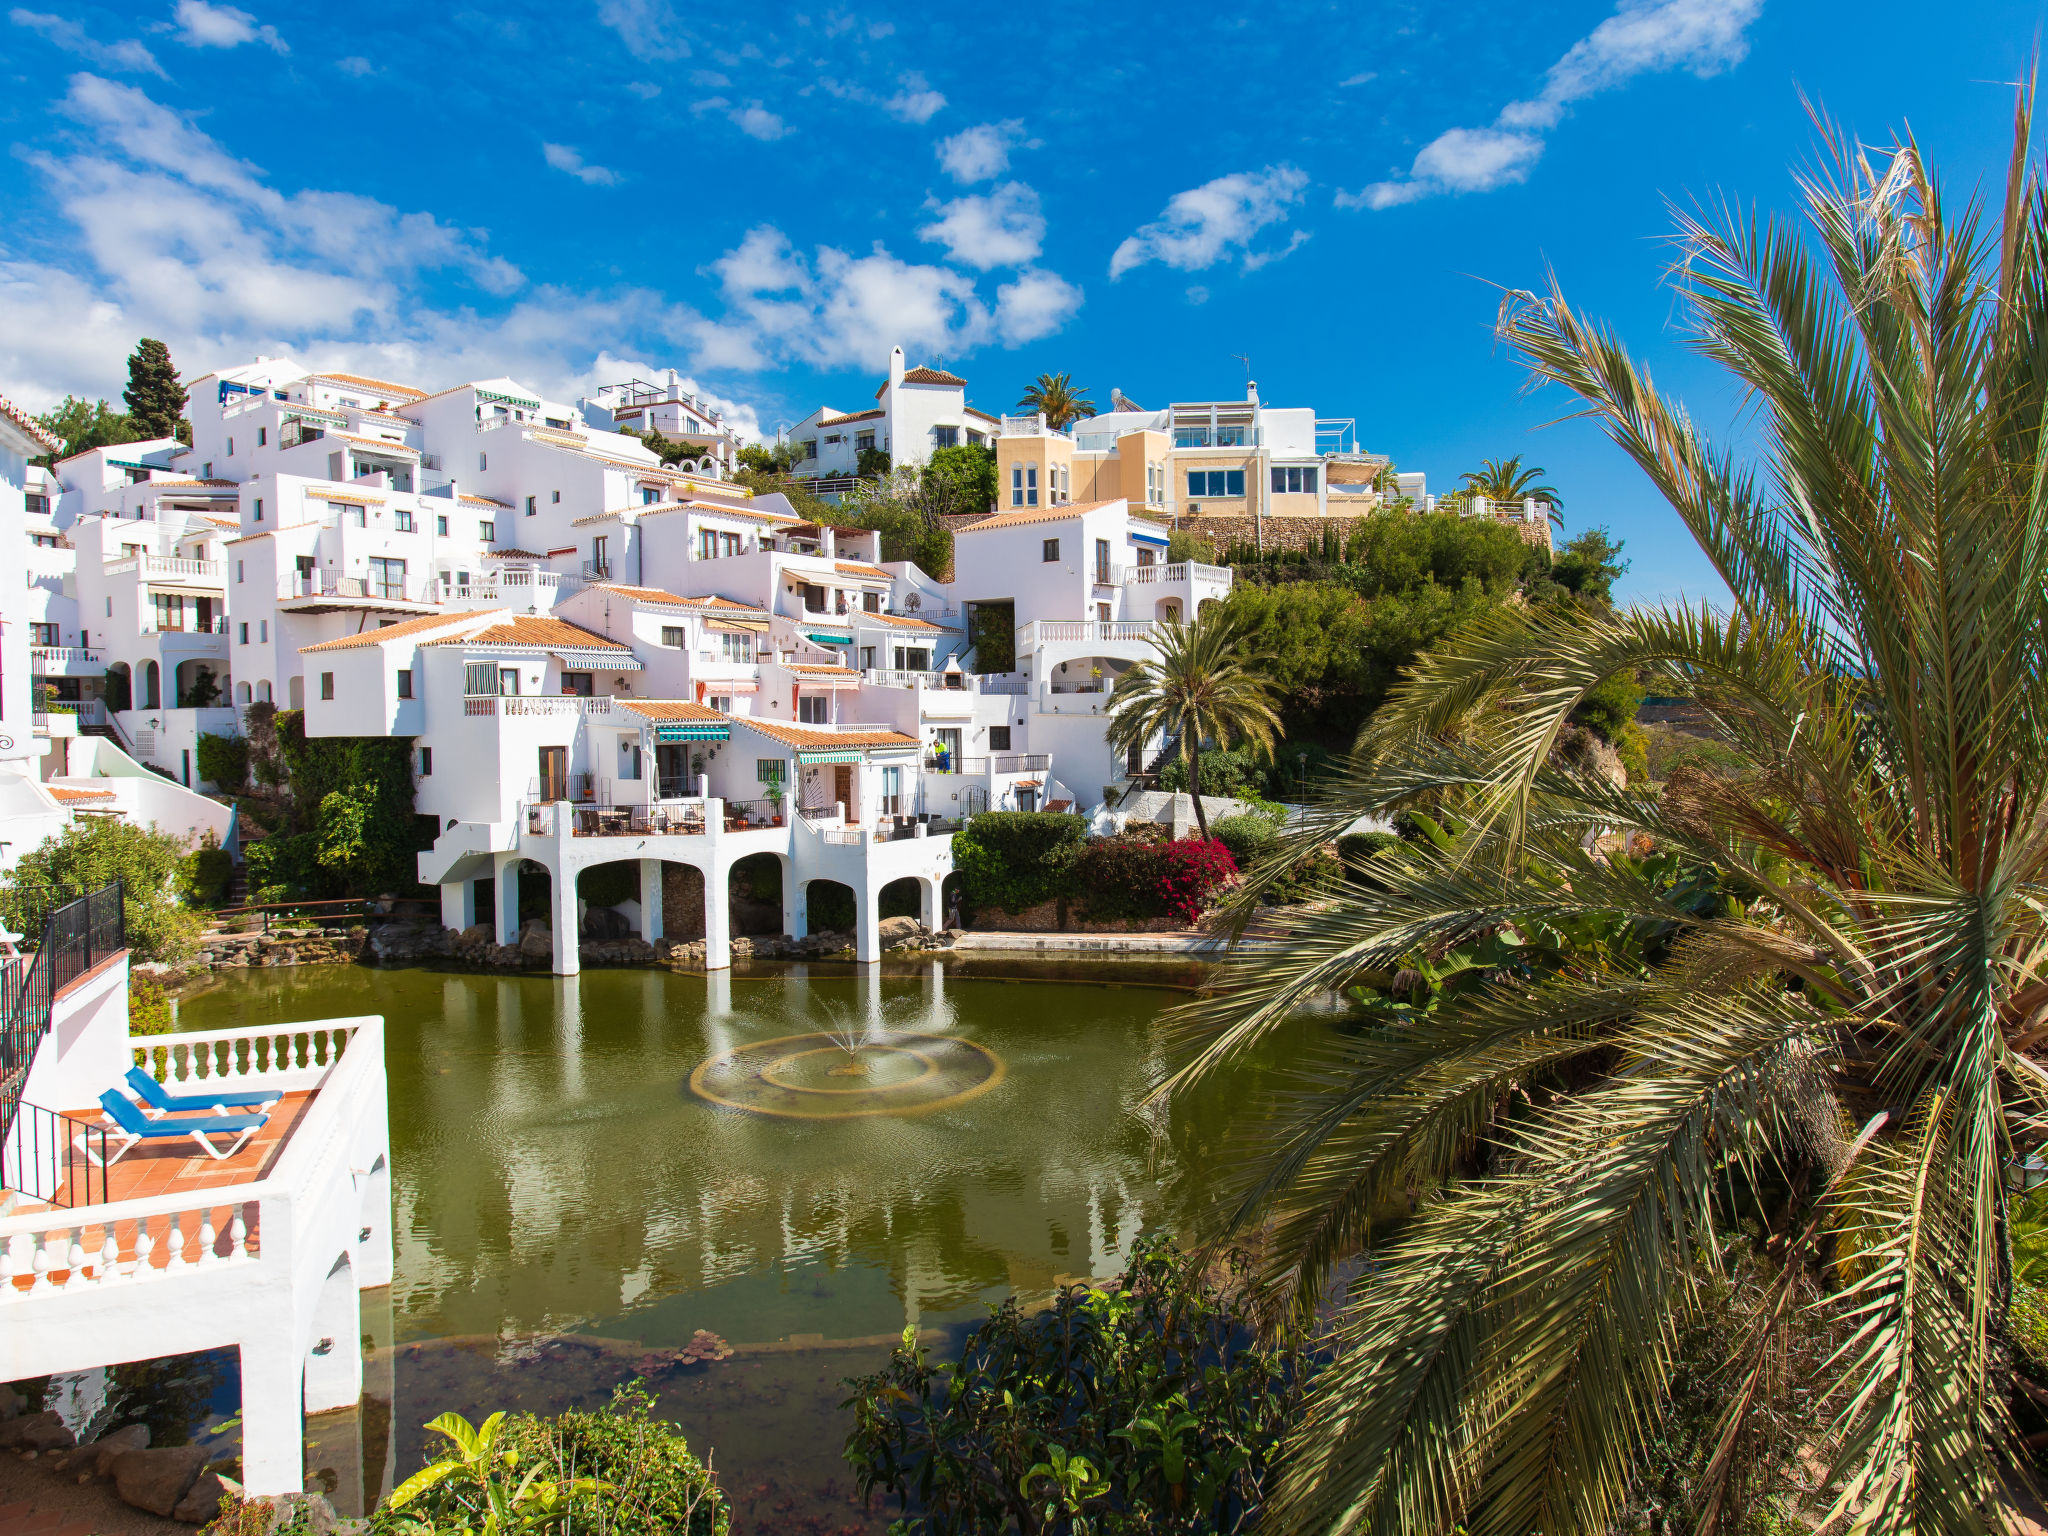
{"points": [[334, 1354]]}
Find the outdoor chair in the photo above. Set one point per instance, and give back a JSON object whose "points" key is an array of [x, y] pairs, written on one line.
{"points": [[129, 1125], [156, 1103]]}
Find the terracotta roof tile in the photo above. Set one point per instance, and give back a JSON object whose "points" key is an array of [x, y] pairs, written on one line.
{"points": [[381, 386], [403, 629], [30, 425], [485, 501], [827, 671], [1025, 515], [839, 421], [547, 634], [904, 621], [669, 599], [512, 554], [66, 792], [812, 736], [376, 442], [849, 568], [669, 709]]}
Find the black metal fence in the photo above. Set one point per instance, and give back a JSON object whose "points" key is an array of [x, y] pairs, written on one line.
{"points": [[54, 1159], [80, 934], [74, 937]]}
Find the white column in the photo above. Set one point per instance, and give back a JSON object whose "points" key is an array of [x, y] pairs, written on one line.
{"points": [[334, 1362], [717, 915], [273, 1416], [650, 899], [867, 928], [562, 890], [507, 899], [458, 904], [795, 920]]}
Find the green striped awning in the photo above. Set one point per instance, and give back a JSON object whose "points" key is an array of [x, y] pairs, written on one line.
{"points": [[829, 755], [829, 639], [691, 730]]}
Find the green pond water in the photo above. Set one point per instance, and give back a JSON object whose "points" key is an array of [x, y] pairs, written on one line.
{"points": [[568, 1208]]}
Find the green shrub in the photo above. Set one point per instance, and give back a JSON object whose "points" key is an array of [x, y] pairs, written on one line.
{"points": [[209, 872], [1149, 1407], [149, 1005], [224, 760], [1247, 835], [90, 854], [1013, 860], [1118, 877], [646, 1482]]}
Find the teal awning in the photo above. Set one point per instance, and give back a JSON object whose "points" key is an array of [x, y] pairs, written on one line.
{"points": [[829, 755], [829, 639], [691, 730]]}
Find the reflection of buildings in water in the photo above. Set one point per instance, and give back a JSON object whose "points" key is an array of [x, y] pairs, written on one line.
{"points": [[542, 1188]]}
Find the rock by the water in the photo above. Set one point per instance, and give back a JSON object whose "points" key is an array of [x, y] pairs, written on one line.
{"points": [[202, 1502], [36, 1432], [536, 942], [10, 1404], [158, 1480], [894, 931], [97, 1458], [605, 925]]}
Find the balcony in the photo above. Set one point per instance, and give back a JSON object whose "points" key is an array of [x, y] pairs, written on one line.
{"points": [[1043, 632], [193, 626], [1179, 571], [1020, 762], [174, 569], [567, 705], [1030, 426], [66, 660]]}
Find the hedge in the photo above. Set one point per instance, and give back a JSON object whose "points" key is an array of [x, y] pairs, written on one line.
{"points": [[1016, 859]]}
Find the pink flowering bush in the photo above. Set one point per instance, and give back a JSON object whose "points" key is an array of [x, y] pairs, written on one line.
{"points": [[1188, 872]]}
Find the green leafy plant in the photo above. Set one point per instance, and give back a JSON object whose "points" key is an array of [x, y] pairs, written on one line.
{"points": [[491, 1495], [149, 1005], [92, 853], [1148, 1406], [1011, 859], [209, 872], [224, 760]]}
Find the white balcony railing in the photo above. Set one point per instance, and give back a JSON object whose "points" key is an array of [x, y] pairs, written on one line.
{"points": [[1080, 631], [168, 567], [1178, 571], [538, 704], [62, 655]]}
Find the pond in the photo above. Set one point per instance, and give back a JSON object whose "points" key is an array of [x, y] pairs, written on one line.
{"points": [[571, 1210]]}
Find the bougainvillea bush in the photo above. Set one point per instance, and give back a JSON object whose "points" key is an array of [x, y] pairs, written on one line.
{"points": [[1141, 873], [1189, 871]]}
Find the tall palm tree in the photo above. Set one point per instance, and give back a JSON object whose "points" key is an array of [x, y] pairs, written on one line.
{"points": [[1850, 1041], [1205, 684], [1506, 480], [1059, 398]]}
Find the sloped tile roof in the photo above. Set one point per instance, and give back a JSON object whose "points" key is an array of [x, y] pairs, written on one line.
{"points": [[669, 709], [670, 600], [904, 621], [1025, 515], [545, 634], [851, 568], [29, 425], [380, 386], [403, 629], [66, 792], [811, 736]]}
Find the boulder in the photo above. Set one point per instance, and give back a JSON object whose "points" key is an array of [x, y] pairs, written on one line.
{"points": [[899, 930], [201, 1503], [36, 1432], [10, 1404], [536, 943], [477, 933], [605, 925], [158, 1480], [97, 1457]]}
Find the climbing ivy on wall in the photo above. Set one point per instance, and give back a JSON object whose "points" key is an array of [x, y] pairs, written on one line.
{"points": [[352, 830]]}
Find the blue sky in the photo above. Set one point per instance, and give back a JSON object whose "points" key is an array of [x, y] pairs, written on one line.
{"points": [[767, 201]]}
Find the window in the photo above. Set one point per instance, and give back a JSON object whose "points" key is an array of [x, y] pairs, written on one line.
{"points": [[483, 461], [814, 710], [426, 762], [737, 647], [722, 702], [1052, 551], [42, 634], [259, 509], [263, 631], [532, 505], [245, 633], [871, 602], [1102, 562], [479, 679], [262, 436], [892, 791], [441, 526], [867, 658], [231, 447], [1225, 483], [864, 442], [578, 683], [405, 682], [675, 637], [1147, 557], [263, 691], [1024, 485], [508, 682], [649, 495], [38, 504], [1294, 480], [238, 573], [600, 562], [999, 738], [810, 447], [387, 577], [558, 496], [945, 437], [326, 685], [402, 520], [768, 770]]}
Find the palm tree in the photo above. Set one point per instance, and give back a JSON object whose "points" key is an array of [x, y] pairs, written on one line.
{"points": [[1061, 401], [1845, 1036], [1505, 480], [1204, 684]]}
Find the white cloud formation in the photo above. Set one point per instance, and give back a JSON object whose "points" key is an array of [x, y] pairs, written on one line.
{"points": [[650, 29], [127, 55], [981, 152], [757, 122], [836, 309], [563, 158], [1214, 222], [1363, 77], [646, 90], [201, 25], [1002, 229], [916, 102], [355, 64], [1642, 37]]}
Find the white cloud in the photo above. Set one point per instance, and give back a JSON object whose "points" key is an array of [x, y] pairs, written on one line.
{"points": [[981, 152], [836, 309], [357, 65], [1363, 77], [741, 415], [916, 102], [127, 55], [757, 122], [646, 90], [650, 29], [1197, 294], [563, 158], [1003, 229], [1702, 37], [1213, 222], [201, 25]]}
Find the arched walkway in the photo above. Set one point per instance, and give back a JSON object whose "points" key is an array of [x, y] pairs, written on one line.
{"points": [[152, 686], [602, 890], [120, 687], [754, 889], [902, 898], [828, 907]]}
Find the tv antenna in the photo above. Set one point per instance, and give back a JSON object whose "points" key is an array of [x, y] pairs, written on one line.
{"points": [[1246, 361]]}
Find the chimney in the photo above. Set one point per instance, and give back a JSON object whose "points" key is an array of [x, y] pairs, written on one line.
{"points": [[1251, 391], [895, 366], [674, 382]]}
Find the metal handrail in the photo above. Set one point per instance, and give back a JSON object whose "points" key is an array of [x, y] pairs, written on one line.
{"points": [[75, 937], [54, 1159]]}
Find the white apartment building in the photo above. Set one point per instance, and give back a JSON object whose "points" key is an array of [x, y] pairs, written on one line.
{"points": [[676, 413], [916, 410]]}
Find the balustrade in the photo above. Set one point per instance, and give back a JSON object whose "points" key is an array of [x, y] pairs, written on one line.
{"points": [[133, 1242]]}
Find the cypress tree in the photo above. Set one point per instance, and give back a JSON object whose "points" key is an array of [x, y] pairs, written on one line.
{"points": [[156, 401]]}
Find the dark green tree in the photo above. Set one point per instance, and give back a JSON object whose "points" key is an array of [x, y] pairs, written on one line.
{"points": [[83, 425], [156, 400]]}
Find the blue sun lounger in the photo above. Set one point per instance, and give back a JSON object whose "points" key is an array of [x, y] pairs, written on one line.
{"points": [[156, 1103], [132, 1130]]}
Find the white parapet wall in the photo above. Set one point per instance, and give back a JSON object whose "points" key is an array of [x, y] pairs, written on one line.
{"points": [[270, 1266]]}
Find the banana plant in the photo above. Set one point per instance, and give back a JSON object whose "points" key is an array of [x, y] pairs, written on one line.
{"points": [[478, 1469]]}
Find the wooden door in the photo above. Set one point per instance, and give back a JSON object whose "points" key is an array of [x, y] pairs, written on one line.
{"points": [[842, 790], [554, 773]]}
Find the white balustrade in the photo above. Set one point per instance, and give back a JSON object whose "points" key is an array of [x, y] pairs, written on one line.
{"points": [[243, 1055], [130, 1242]]}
